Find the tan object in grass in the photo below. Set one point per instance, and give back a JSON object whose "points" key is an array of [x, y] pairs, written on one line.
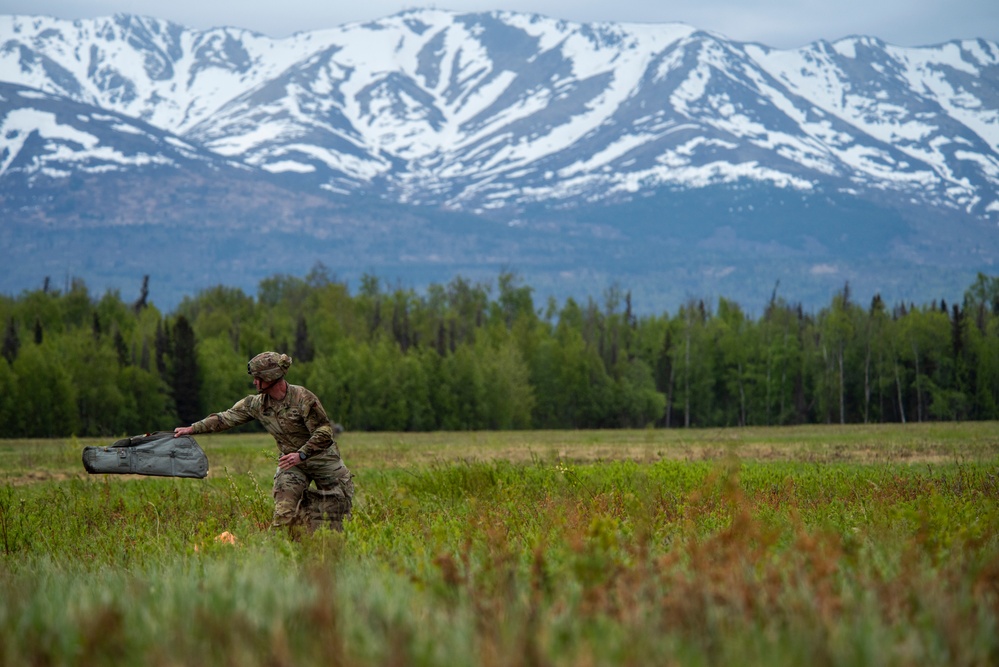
{"points": [[226, 538]]}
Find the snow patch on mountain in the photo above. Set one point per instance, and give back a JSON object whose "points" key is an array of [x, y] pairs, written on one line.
{"points": [[503, 109]]}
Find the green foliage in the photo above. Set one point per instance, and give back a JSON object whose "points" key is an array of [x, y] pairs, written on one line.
{"points": [[219, 364], [492, 554], [185, 378], [8, 397], [49, 408], [459, 358]]}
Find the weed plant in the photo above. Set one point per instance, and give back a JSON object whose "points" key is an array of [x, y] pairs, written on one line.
{"points": [[479, 549]]}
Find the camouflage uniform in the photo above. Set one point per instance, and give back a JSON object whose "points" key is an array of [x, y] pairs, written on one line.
{"points": [[298, 423]]}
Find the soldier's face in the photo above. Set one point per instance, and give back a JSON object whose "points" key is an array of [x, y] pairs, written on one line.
{"points": [[261, 385]]}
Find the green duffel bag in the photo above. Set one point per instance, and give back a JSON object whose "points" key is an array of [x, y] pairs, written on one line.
{"points": [[159, 454]]}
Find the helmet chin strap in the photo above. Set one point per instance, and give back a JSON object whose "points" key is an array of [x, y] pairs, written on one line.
{"points": [[263, 390]]}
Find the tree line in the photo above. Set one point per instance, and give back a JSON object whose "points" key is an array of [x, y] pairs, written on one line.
{"points": [[475, 356]]}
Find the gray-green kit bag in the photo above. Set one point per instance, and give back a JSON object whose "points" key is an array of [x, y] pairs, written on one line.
{"points": [[159, 454]]}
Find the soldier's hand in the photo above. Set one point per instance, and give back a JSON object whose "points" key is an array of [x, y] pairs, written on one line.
{"points": [[289, 460], [183, 430]]}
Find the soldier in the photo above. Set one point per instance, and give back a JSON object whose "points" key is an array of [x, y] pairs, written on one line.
{"points": [[296, 419]]}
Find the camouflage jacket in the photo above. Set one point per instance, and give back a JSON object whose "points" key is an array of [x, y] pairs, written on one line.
{"points": [[298, 422]]}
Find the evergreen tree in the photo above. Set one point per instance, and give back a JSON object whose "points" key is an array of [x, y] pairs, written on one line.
{"points": [[441, 339], [144, 356], [121, 350], [11, 342], [186, 382], [140, 303], [163, 349], [302, 351], [963, 379], [9, 400]]}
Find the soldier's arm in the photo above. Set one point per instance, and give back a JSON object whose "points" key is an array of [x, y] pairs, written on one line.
{"points": [[320, 428], [240, 413]]}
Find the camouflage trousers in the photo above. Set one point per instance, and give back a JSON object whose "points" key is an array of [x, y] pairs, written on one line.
{"points": [[295, 504]]}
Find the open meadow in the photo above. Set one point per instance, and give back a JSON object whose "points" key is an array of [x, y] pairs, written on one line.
{"points": [[817, 545]]}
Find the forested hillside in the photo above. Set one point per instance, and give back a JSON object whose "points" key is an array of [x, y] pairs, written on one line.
{"points": [[465, 356]]}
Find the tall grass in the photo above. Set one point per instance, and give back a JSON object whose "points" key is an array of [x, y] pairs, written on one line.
{"points": [[545, 555]]}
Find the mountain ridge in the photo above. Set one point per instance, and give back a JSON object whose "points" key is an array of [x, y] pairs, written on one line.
{"points": [[521, 122]]}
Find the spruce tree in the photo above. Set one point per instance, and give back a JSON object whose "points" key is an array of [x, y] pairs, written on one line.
{"points": [[141, 302], [186, 394], [121, 349], [303, 350], [164, 348], [11, 342]]}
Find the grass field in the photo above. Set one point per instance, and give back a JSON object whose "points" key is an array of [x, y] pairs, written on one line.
{"points": [[859, 545]]}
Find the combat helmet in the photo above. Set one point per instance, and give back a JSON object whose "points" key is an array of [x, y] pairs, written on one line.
{"points": [[268, 366]]}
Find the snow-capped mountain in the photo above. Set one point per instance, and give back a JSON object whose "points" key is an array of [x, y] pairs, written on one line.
{"points": [[504, 115], [487, 110], [50, 136]]}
